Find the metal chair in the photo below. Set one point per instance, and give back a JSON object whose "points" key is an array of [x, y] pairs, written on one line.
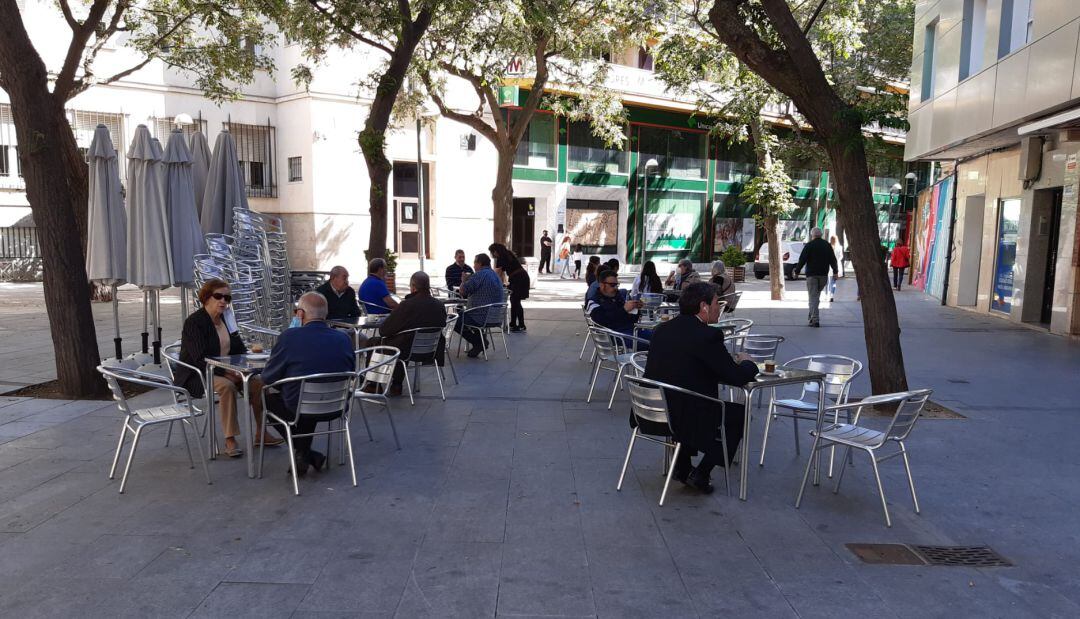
{"points": [[494, 317], [759, 346], [611, 349], [638, 361], [648, 402], [425, 345], [909, 405], [320, 395], [135, 419], [171, 354], [448, 332], [839, 371], [734, 326], [588, 325], [375, 379]]}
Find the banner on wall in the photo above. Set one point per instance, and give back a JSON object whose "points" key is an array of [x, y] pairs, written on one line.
{"points": [[932, 237], [671, 225], [737, 231]]}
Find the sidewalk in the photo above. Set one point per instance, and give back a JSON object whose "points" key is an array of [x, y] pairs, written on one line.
{"points": [[502, 500]]}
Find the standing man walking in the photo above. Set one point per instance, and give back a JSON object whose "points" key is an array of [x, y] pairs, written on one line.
{"points": [[545, 252], [818, 257]]}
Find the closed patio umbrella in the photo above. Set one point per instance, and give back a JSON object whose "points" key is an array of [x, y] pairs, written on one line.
{"points": [[149, 253], [200, 168], [184, 229], [224, 188], [106, 243]]}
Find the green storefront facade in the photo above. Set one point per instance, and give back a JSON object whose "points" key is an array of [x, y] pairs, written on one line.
{"points": [[678, 186]]}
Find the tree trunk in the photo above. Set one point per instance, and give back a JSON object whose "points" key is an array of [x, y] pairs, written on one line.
{"points": [[378, 169], [776, 263], [502, 196], [57, 190]]}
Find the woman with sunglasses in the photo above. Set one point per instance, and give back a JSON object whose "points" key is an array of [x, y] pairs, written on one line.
{"points": [[205, 335]]}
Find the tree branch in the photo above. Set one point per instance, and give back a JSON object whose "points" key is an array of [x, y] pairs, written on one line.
{"points": [[536, 93], [65, 8], [473, 121], [333, 19], [66, 79], [814, 16]]}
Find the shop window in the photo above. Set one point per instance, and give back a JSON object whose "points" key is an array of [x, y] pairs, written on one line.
{"points": [[537, 146], [588, 153], [680, 154], [594, 224]]}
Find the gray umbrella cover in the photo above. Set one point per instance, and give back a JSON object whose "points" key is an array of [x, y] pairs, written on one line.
{"points": [[184, 229], [224, 188], [200, 167], [106, 243], [149, 253]]}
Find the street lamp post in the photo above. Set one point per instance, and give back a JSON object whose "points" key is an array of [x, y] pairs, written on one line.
{"points": [[651, 163], [420, 195], [894, 200]]}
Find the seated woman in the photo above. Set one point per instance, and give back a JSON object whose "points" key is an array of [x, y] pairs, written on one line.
{"points": [[725, 286], [205, 335], [647, 281]]}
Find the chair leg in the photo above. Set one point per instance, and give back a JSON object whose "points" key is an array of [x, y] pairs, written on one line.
{"points": [[615, 386], [119, 448], [506, 349], [168, 434], [881, 489], [671, 471], [363, 415], [584, 345], [910, 481], [596, 371], [393, 428], [459, 340], [131, 456], [626, 461], [439, 376], [187, 443], [727, 462], [292, 460], [198, 445], [806, 475], [348, 448], [765, 436], [795, 427], [408, 383], [843, 466], [453, 370]]}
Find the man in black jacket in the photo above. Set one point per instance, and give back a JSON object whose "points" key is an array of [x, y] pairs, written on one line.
{"points": [[686, 352], [418, 309], [340, 297], [545, 252], [818, 257]]}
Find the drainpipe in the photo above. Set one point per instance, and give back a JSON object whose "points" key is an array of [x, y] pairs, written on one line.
{"points": [[949, 248]]}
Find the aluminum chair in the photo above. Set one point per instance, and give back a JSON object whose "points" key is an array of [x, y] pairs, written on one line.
{"points": [[377, 363], [839, 371], [171, 354], [494, 318], [734, 326], [638, 361], [648, 402], [589, 324], [320, 394], [425, 345], [909, 405], [612, 355], [135, 419], [448, 333], [759, 346]]}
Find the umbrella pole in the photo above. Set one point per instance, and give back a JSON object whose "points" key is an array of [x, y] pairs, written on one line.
{"points": [[145, 322], [116, 324], [157, 327]]}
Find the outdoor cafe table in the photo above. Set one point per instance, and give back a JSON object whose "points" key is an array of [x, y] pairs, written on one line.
{"points": [[359, 324], [782, 377], [246, 366]]}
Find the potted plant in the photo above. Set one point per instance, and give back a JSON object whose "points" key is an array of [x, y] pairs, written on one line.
{"points": [[391, 265], [734, 259]]}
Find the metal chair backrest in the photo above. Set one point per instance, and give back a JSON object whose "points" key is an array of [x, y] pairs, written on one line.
{"points": [[647, 399], [840, 371], [606, 345], [910, 405], [114, 375], [735, 326], [496, 315], [448, 330], [425, 340], [760, 347], [638, 360], [325, 393], [379, 369]]}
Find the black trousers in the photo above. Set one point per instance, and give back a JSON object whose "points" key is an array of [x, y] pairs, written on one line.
{"points": [[306, 425], [898, 276], [714, 454], [545, 260], [471, 336], [517, 312]]}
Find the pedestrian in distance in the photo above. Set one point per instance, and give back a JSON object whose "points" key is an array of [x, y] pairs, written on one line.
{"points": [[838, 251], [577, 261], [900, 260], [818, 258], [545, 252], [564, 258]]}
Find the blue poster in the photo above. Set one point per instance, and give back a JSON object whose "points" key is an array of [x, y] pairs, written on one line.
{"points": [[1008, 229]]}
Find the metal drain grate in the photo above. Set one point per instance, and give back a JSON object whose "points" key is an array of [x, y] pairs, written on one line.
{"points": [[962, 556], [904, 554]]}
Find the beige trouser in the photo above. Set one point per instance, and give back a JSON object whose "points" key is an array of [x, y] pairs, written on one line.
{"points": [[228, 393]]}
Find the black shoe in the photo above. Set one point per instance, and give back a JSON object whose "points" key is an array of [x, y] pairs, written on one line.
{"points": [[395, 391], [815, 324], [682, 474], [317, 460], [522, 328], [301, 462], [474, 352], [700, 481]]}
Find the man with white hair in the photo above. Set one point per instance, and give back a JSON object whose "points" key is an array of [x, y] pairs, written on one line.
{"points": [[818, 257], [314, 348]]}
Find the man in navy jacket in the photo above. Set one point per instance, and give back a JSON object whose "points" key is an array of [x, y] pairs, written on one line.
{"points": [[314, 348], [611, 309]]}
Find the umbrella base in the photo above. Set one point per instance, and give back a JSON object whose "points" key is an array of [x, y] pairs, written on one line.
{"points": [[127, 363]]}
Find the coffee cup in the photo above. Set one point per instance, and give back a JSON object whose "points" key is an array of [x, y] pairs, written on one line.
{"points": [[770, 366], [256, 348]]}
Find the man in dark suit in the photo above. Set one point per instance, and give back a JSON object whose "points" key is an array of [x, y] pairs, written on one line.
{"points": [[686, 352], [545, 252], [340, 297], [314, 348], [418, 309]]}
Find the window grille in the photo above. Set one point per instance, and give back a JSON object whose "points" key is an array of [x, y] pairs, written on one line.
{"points": [[296, 169], [256, 148], [83, 125], [160, 128], [10, 167]]}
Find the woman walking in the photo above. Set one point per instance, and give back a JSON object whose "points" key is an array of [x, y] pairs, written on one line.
{"points": [[564, 257], [900, 260], [577, 261], [509, 268]]}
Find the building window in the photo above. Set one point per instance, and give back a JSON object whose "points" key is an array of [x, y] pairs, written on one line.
{"points": [[594, 224], [973, 38], [928, 64], [10, 168], [645, 59], [296, 169], [588, 153], [256, 148], [537, 146], [83, 125], [1017, 23], [680, 154], [161, 128]]}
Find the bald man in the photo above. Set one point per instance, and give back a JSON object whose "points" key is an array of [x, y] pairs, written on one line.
{"points": [[314, 348]]}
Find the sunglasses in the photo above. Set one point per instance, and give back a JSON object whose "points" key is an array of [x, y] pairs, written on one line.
{"points": [[610, 283], [219, 296]]}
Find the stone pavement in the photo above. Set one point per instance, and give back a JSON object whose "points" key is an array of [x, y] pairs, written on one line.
{"points": [[502, 500]]}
